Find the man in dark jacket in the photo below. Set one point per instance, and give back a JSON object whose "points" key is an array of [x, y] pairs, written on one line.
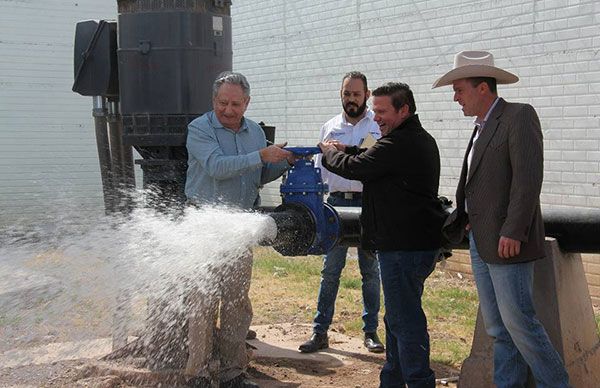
{"points": [[401, 219]]}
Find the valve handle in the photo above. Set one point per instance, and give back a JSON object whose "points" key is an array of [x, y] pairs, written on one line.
{"points": [[304, 151]]}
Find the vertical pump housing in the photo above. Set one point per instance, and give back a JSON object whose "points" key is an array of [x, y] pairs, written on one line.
{"points": [[169, 53]]}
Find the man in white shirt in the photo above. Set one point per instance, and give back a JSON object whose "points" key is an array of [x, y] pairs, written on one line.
{"points": [[351, 127]]}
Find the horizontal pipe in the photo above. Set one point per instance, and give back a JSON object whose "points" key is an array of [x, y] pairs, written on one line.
{"points": [[296, 229], [576, 230]]}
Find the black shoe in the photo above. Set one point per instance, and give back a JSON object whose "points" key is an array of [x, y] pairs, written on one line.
{"points": [[240, 381], [373, 344], [199, 382], [316, 342], [251, 334]]}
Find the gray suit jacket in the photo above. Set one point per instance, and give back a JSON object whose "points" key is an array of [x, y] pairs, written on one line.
{"points": [[503, 187]]}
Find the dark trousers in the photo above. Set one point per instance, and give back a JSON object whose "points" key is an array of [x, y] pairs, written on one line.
{"points": [[403, 274]]}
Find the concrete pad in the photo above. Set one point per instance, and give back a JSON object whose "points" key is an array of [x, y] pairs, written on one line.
{"points": [[55, 352], [273, 341], [282, 341]]}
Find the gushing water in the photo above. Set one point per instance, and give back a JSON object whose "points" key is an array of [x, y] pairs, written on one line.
{"points": [[64, 280]]}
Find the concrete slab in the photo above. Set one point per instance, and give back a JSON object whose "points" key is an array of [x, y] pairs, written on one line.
{"points": [[282, 341], [279, 341], [48, 354]]}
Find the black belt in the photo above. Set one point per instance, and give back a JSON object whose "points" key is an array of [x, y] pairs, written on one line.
{"points": [[347, 194]]}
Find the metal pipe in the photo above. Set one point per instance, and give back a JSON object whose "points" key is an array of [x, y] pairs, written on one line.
{"points": [[296, 229], [576, 230], [99, 113], [121, 158], [349, 226]]}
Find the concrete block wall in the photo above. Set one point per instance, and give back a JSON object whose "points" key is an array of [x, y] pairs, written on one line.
{"points": [[48, 157], [295, 53]]}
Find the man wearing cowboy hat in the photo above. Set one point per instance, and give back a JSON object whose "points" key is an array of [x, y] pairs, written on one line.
{"points": [[498, 206]]}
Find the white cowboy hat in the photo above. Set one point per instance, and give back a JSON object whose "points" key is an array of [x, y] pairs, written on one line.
{"points": [[469, 64]]}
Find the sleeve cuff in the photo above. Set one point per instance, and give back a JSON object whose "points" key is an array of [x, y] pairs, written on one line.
{"points": [[254, 158]]}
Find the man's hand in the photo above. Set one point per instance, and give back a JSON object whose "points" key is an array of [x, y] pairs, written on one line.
{"points": [[330, 145], [339, 146], [275, 154], [293, 158], [507, 247]]}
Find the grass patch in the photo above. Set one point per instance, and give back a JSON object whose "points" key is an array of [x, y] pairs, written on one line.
{"points": [[285, 290], [351, 283]]}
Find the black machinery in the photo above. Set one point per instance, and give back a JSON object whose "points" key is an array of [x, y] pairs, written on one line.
{"points": [[155, 70]]}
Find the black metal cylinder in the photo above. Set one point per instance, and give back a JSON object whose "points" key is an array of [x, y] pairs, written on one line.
{"points": [[170, 53], [296, 229], [349, 226], [576, 230]]}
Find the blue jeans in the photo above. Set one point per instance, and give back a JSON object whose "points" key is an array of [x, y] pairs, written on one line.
{"points": [[333, 263], [506, 301], [407, 340]]}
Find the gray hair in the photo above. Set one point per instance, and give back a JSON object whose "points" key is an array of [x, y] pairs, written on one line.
{"points": [[229, 77]]}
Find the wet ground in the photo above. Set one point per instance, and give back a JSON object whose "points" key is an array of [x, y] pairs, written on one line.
{"points": [[276, 362]]}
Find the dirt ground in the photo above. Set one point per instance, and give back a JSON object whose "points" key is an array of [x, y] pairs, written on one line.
{"points": [[275, 363]]}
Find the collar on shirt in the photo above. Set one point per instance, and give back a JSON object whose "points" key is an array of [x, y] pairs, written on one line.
{"points": [[481, 124], [214, 121], [368, 114]]}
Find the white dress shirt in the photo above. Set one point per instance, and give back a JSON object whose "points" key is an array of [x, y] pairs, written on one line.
{"points": [[338, 128]]}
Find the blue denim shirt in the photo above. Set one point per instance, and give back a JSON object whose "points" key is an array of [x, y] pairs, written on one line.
{"points": [[224, 166]]}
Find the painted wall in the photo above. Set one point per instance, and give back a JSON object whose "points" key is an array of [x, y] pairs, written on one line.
{"points": [[295, 54], [48, 157]]}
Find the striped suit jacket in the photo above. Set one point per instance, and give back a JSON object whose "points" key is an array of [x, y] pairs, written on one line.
{"points": [[503, 186]]}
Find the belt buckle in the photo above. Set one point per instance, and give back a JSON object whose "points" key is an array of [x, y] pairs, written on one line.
{"points": [[348, 195]]}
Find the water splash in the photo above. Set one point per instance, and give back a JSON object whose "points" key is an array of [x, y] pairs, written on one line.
{"points": [[64, 279]]}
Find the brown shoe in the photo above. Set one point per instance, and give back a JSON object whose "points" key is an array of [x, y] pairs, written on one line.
{"points": [[316, 342], [373, 344]]}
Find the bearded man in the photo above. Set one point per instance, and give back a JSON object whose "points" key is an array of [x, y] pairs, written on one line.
{"points": [[351, 127]]}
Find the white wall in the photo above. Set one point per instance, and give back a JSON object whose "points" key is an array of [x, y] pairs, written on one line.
{"points": [[295, 53], [48, 157]]}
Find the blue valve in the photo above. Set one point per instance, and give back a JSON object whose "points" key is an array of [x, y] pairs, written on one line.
{"points": [[304, 151], [304, 187]]}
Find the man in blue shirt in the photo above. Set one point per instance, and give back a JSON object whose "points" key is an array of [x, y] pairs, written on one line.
{"points": [[228, 161]]}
